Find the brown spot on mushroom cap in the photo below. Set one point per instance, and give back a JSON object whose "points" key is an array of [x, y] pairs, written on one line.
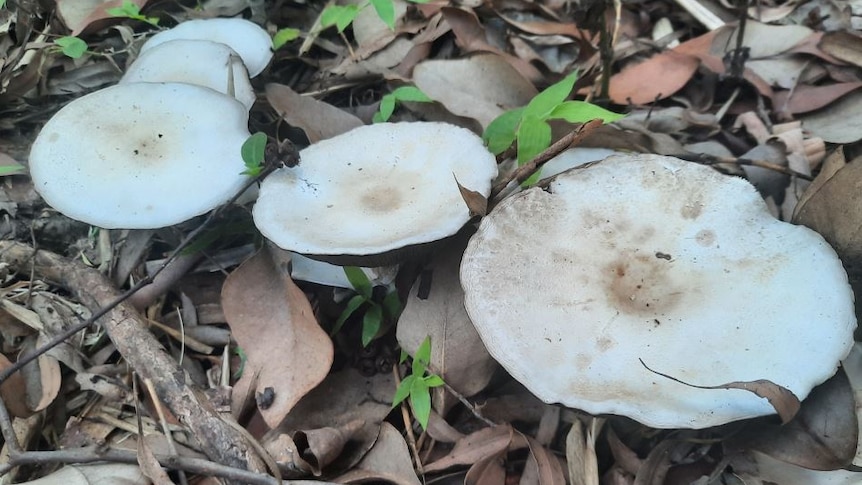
{"points": [[671, 290], [640, 284], [381, 198]]}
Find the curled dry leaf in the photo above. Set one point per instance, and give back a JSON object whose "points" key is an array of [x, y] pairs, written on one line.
{"points": [[388, 461], [832, 206], [273, 323], [317, 119], [823, 435], [320, 447], [842, 45], [482, 444], [805, 98]]}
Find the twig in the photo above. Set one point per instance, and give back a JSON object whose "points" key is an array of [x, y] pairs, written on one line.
{"points": [[408, 426], [92, 454], [451, 390], [523, 172]]}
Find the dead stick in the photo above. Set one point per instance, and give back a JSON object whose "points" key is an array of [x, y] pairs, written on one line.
{"points": [[130, 335], [522, 173]]}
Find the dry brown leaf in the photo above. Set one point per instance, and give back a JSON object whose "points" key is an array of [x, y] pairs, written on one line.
{"points": [[805, 98], [833, 208], [388, 461], [656, 78], [14, 391], [457, 352], [89, 15], [763, 40], [42, 378], [95, 474], [272, 321], [785, 403], [470, 36], [317, 119], [481, 87], [150, 467], [839, 122], [770, 470], [823, 435], [482, 444], [842, 45], [546, 467], [320, 447], [487, 471], [476, 202], [368, 399]]}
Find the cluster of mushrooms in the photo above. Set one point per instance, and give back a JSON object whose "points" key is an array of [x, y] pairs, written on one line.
{"points": [[162, 145], [591, 291]]}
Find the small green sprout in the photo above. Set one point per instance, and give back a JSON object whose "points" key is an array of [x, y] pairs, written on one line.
{"points": [[375, 313], [529, 125], [341, 16], [418, 385], [404, 93], [71, 46], [284, 36], [10, 167], [252, 152], [132, 11]]}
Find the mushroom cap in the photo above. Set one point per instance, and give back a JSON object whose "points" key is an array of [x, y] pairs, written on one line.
{"points": [[651, 258], [375, 189], [251, 42], [141, 155], [200, 62]]}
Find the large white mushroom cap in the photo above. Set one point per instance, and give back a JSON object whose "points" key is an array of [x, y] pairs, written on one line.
{"points": [[201, 62], [651, 258], [251, 42], [375, 189], [141, 155]]}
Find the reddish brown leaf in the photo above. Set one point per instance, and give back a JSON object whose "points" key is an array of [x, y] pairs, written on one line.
{"points": [[786, 404], [805, 98], [388, 461], [488, 471], [656, 78], [271, 319], [843, 45]]}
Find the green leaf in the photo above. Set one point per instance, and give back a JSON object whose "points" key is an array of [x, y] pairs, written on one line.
{"points": [[402, 357], [387, 107], [371, 323], [534, 135], [386, 11], [352, 305], [500, 133], [391, 305], [403, 390], [420, 399], [71, 46], [338, 15], [411, 93], [252, 152], [284, 36], [243, 358], [11, 170], [422, 357], [132, 11], [358, 281], [581, 112], [544, 103], [433, 380]]}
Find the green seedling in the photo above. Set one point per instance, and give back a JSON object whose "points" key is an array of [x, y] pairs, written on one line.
{"points": [[404, 93], [132, 11], [341, 16], [418, 385], [71, 46], [10, 168], [528, 126], [252, 152], [284, 36], [376, 313]]}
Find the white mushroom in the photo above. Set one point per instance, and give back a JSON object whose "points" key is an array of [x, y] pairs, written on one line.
{"points": [[649, 258], [141, 155], [375, 189], [251, 42], [200, 62]]}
